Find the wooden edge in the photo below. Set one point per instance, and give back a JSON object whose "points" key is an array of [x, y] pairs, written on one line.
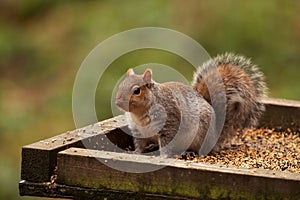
{"points": [[47, 189], [74, 136], [39, 159], [88, 168], [161, 161], [281, 102], [281, 114]]}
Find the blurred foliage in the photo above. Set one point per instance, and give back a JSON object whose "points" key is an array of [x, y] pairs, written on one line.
{"points": [[42, 44]]}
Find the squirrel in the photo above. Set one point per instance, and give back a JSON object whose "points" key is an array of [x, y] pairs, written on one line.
{"points": [[176, 117]]}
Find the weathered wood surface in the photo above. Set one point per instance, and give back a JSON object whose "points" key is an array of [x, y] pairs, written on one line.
{"points": [[281, 114], [82, 167], [73, 192], [40, 159]]}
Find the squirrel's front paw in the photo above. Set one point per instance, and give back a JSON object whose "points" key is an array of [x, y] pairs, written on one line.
{"points": [[137, 151]]}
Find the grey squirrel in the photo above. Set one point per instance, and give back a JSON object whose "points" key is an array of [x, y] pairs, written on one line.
{"points": [[177, 117]]}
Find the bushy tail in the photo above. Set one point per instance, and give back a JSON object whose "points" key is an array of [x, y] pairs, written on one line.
{"points": [[244, 86]]}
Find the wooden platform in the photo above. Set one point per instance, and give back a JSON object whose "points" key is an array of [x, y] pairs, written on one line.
{"points": [[74, 165]]}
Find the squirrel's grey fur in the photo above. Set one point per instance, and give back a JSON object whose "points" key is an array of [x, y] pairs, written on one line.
{"points": [[177, 117]]}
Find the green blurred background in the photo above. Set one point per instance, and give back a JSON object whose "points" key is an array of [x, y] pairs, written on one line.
{"points": [[42, 44]]}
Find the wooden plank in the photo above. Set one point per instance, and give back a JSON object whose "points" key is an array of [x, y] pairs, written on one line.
{"points": [[82, 168], [73, 192], [281, 114], [39, 159]]}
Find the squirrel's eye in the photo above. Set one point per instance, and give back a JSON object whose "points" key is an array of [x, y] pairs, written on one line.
{"points": [[136, 91]]}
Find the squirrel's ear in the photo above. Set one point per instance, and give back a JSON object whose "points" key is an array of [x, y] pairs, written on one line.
{"points": [[130, 72], [147, 76]]}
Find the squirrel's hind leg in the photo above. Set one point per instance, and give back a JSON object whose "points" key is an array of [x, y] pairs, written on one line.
{"points": [[139, 145], [224, 141], [165, 147], [145, 145]]}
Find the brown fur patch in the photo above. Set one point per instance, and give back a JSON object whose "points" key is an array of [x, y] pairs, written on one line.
{"points": [[231, 76]]}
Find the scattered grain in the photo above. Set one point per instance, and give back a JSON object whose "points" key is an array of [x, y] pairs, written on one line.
{"points": [[258, 148]]}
